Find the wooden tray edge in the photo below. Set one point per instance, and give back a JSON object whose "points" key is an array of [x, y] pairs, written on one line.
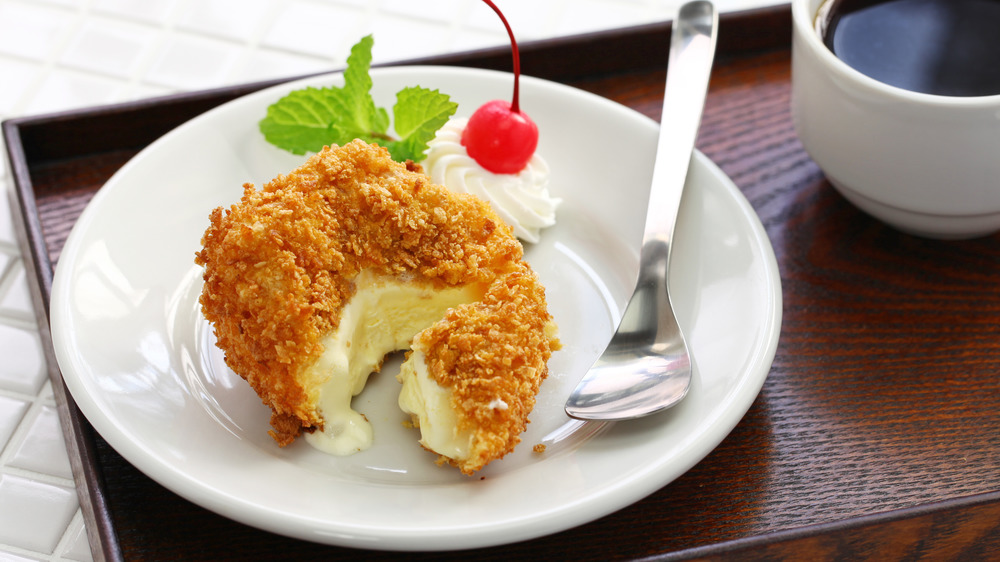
{"points": [[78, 433], [891, 535]]}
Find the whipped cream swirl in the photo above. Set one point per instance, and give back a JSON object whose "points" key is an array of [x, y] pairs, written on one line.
{"points": [[522, 200]]}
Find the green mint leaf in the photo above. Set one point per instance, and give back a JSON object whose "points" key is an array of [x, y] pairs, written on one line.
{"points": [[358, 115], [303, 121], [307, 120], [418, 114]]}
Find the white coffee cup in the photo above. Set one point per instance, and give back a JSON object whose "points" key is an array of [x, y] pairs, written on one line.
{"points": [[925, 164]]}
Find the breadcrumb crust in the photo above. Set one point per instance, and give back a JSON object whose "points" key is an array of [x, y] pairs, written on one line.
{"points": [[278, 270]]}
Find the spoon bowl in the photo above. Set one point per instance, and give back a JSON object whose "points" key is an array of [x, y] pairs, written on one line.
{"points": [[646, 367]]}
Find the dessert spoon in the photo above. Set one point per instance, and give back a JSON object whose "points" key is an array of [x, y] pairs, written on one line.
{"points": [[646, 367]]}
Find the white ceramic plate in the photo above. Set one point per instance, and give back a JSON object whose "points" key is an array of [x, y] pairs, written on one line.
{"points": [[139, 358]]}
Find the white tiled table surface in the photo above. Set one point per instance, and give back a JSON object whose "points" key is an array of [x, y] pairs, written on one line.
{"points": [[63, 54]]}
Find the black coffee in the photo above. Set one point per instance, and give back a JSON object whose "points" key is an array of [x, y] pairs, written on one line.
{"points": [[944, 47]]}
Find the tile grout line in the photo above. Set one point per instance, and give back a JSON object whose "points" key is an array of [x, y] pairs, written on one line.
{"points": [[165, 31], [18, 438], [26, 324], [7, 271], [50, 62], [40, 477], [9, 247], [5, 393], [253, 45], [64, 544], [29, 554], [8, 281]]}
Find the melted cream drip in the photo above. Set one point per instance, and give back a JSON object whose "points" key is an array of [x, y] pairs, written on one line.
{"points": [[383, 316], [522, 200]]}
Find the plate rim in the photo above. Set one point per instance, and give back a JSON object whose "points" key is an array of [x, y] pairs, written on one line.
{"points": [[765, 354]]}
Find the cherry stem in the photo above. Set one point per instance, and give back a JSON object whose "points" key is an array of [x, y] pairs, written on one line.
{"points": [[515, 106]]}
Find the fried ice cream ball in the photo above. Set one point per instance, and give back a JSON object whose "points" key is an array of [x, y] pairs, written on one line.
{"points": [[310, 281]]}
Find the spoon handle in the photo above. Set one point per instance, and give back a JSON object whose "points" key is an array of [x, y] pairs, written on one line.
{"points": [[646, 367], [692, 51]]}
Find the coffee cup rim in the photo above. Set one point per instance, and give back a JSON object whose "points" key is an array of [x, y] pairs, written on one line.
{"points": [[803, 23]]}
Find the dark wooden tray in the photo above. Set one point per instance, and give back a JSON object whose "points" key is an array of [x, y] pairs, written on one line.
{"points": [[877, 432]]}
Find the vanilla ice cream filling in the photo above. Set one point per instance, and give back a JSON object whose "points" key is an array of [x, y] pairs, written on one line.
{"points": [[431, 404], [382, 316]]}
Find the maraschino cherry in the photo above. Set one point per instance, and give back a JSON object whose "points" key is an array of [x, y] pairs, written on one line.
{"points": [[499, 136]]}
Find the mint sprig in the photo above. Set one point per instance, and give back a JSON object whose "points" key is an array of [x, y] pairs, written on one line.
{"points": [[306, 120]]}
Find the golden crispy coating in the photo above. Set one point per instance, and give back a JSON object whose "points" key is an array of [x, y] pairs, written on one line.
{"points": [[279, 267], [490, 351]]}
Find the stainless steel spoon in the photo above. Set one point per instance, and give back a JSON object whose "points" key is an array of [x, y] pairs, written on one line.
{"points": [[646, 366]]}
